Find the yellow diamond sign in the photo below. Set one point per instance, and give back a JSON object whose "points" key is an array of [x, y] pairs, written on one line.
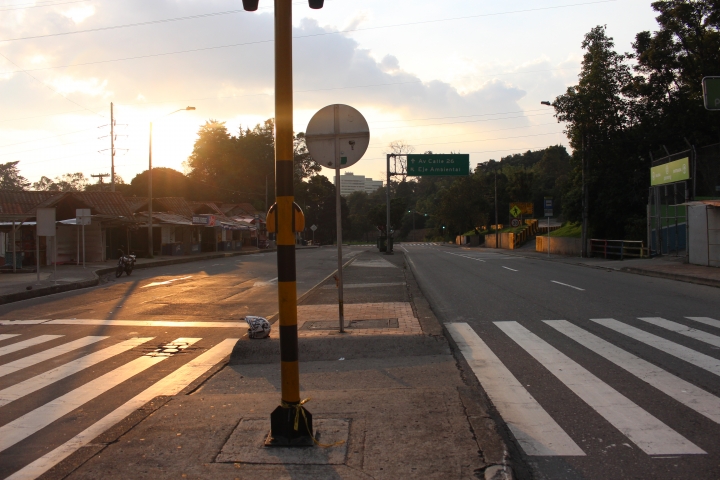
{"points": [[515, 211]]}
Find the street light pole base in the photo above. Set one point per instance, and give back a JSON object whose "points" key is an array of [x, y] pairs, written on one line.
{"points": [[282, 427]]}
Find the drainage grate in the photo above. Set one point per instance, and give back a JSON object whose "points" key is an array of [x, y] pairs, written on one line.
{"points": [[352, 324]]}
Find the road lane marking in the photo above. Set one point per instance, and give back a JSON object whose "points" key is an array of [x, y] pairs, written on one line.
{"points": [[271, 282], [170, 385], [27, 343], [647, 432], [25, 322], [535, 430], [37, 382], [706, 320], [364, 285], [566, 285], [404, 249], [683, 330], [465, 256], [166, 282], [508, 268], [5, 336], [698, 359], [146, 323], [684, 392], [34, 421], [12, 367]]}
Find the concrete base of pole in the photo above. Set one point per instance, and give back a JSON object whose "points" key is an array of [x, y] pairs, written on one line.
{"points": [[282, 427]]}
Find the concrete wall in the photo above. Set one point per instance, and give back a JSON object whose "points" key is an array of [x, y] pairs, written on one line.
{"points": [[559, 245], [506, 240]]}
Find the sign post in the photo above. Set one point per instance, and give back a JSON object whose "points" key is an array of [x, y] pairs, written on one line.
{"points": [[548, 213], [82, 217], [337, 137], [313, 228], [45, 227]]}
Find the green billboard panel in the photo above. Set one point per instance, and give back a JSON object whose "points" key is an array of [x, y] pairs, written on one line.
{"points": [[711, 92], [672, 172], [438, 164]]}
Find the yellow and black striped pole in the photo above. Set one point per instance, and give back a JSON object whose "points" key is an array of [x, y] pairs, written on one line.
{"points": [[290, 423]]}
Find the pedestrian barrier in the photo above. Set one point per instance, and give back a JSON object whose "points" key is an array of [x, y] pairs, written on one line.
{"points": [[618, 248]]}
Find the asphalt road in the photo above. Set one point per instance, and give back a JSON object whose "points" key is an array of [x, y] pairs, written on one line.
{"points": [[98, 355], [598, 393]]}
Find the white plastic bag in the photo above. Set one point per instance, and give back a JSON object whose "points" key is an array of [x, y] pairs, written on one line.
{"points": [[259, 327]]}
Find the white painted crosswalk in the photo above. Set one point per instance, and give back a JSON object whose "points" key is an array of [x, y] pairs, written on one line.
{"points": [[540, 434], [130, 358]]}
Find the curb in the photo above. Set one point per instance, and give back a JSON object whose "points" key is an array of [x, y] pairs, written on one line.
{"points": [[672, 276], [482, 419], [633, 270], [51, 290]]}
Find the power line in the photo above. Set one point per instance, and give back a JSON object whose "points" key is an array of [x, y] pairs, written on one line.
{"points": [[25, 6], [49, 87], [270, 41], [128, 25], [476, 133], [39, 116], [46, 138], [483, 140], [456, 123]]}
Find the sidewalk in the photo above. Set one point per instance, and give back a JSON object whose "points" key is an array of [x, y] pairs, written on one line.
{"points": [[22, 286], [389, 390], [669, 267]]}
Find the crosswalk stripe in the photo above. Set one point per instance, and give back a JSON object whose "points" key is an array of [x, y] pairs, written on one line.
{"points": [[705, 337], [706, 320], [22, 427], [647, 432], [535, 430], [27, 343], [684, 392], [5, 336], [37, 382], [170, 385], [689, 355], [13, 367]]}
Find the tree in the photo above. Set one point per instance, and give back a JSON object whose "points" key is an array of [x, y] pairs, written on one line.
{"points": [[68, 182], [166, 183], [10, 178]]}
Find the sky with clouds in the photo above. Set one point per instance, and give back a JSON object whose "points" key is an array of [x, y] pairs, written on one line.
{"points": [[462, 76]]}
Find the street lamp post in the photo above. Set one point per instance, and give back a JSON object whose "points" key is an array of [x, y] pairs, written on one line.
{"points": [[150, 211], [290, 423]]}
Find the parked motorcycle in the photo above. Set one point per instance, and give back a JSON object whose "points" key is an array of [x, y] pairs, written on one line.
{"points": [[126, 263]]}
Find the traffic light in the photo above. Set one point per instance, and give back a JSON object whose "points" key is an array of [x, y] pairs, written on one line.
{"points": [[252, 5]]}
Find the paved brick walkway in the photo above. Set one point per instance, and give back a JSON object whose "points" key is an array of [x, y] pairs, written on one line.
{"points": [[407, 323]]}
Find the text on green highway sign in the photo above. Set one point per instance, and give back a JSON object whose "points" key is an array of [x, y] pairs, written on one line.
{"points": [[438, 164]]}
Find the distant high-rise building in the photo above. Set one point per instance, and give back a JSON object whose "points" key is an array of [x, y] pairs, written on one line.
{"points": [[349, 183]]}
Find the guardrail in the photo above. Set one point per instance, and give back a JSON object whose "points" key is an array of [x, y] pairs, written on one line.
{"points": [[618, 248]]}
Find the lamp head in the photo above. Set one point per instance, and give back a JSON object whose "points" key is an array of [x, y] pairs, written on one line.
{"points": [[545, 102], [250, 5]]}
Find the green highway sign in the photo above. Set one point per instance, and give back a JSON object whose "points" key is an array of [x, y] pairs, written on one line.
{"points": [[438, 164], [711, 92], [672, 172]]}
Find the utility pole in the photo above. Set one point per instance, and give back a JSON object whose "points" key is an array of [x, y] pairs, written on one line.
{"points": [[290, 423], [100, 177], [150, 210], [583, 235], [388, 251], [112, 149]]}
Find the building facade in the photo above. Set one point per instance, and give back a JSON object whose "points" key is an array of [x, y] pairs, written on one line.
{"points": [[349, 183]]}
